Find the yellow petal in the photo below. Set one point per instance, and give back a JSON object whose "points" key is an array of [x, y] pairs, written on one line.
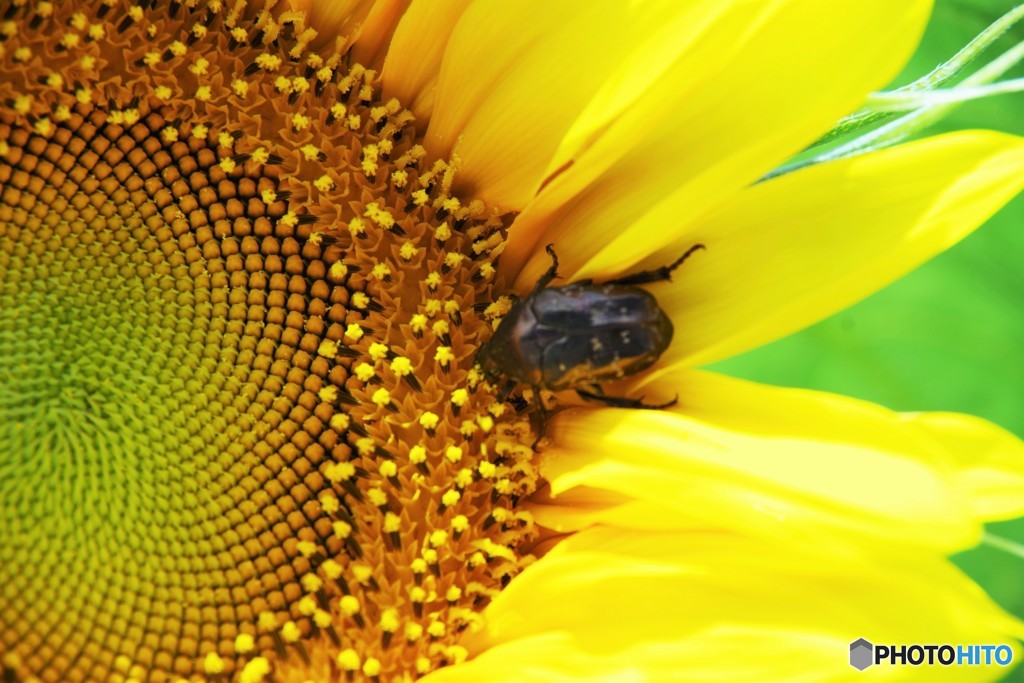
{"points": [[803, 467], [376, 32], [716, 607], [985, 461], [756, 85], [990, 462], [337, 23], [791, 251], [414, 56], [527, 86]]}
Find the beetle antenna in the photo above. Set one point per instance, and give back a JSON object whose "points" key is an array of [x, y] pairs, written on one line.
{"points": [[551, 273], [656, 274]]}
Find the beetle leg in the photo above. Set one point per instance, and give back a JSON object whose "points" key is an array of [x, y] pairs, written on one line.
{"points": [[505, 390], [655, 274], [542, 416], [551, 273], [623, 402]]}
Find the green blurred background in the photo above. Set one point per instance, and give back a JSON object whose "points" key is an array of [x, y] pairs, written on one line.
{"points": [[949, 336]]}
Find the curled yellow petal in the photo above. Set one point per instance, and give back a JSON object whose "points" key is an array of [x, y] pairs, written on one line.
{"points": [[800, 466], [709, 606], [414, 56], [791, 251], [682, 125], [990, 461]]}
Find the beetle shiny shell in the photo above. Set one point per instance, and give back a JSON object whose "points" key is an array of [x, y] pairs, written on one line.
{"points": [[578, 335]]}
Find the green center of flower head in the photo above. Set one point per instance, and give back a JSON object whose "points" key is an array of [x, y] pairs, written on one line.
{"points": [[240, 427]]}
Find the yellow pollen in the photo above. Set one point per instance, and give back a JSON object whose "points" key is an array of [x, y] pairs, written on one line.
{"points": [[418, 323], [199, 67], [43, 126], [340, 471], [255, 670], [348, 660], [349, 605], [244, 643], [378, 351], [324, 183], [290, 632], [365, 372], [444, 355], [401, 366], [260, 156], [453, 454], [460, 397], [372, 667], [382, 397], [417, 454], [365, 446], [389, 621], [340, 422], [360, 300], [377, 497], [464, 477], [354, 332], [429, 420], [331, 568], [268, 62], [328, 348], [213, 664], [307, 549]]}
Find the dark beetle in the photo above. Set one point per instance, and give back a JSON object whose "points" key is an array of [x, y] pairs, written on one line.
{"points": [[581, 335]]}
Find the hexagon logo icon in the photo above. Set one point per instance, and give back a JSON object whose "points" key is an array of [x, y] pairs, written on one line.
{"points": [[862, 654]]}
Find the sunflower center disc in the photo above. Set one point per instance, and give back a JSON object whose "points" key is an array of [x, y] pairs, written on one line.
{"points": [[240, 428]]}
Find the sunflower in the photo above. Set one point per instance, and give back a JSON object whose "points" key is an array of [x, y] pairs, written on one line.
{"points": [[248, 253]]}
